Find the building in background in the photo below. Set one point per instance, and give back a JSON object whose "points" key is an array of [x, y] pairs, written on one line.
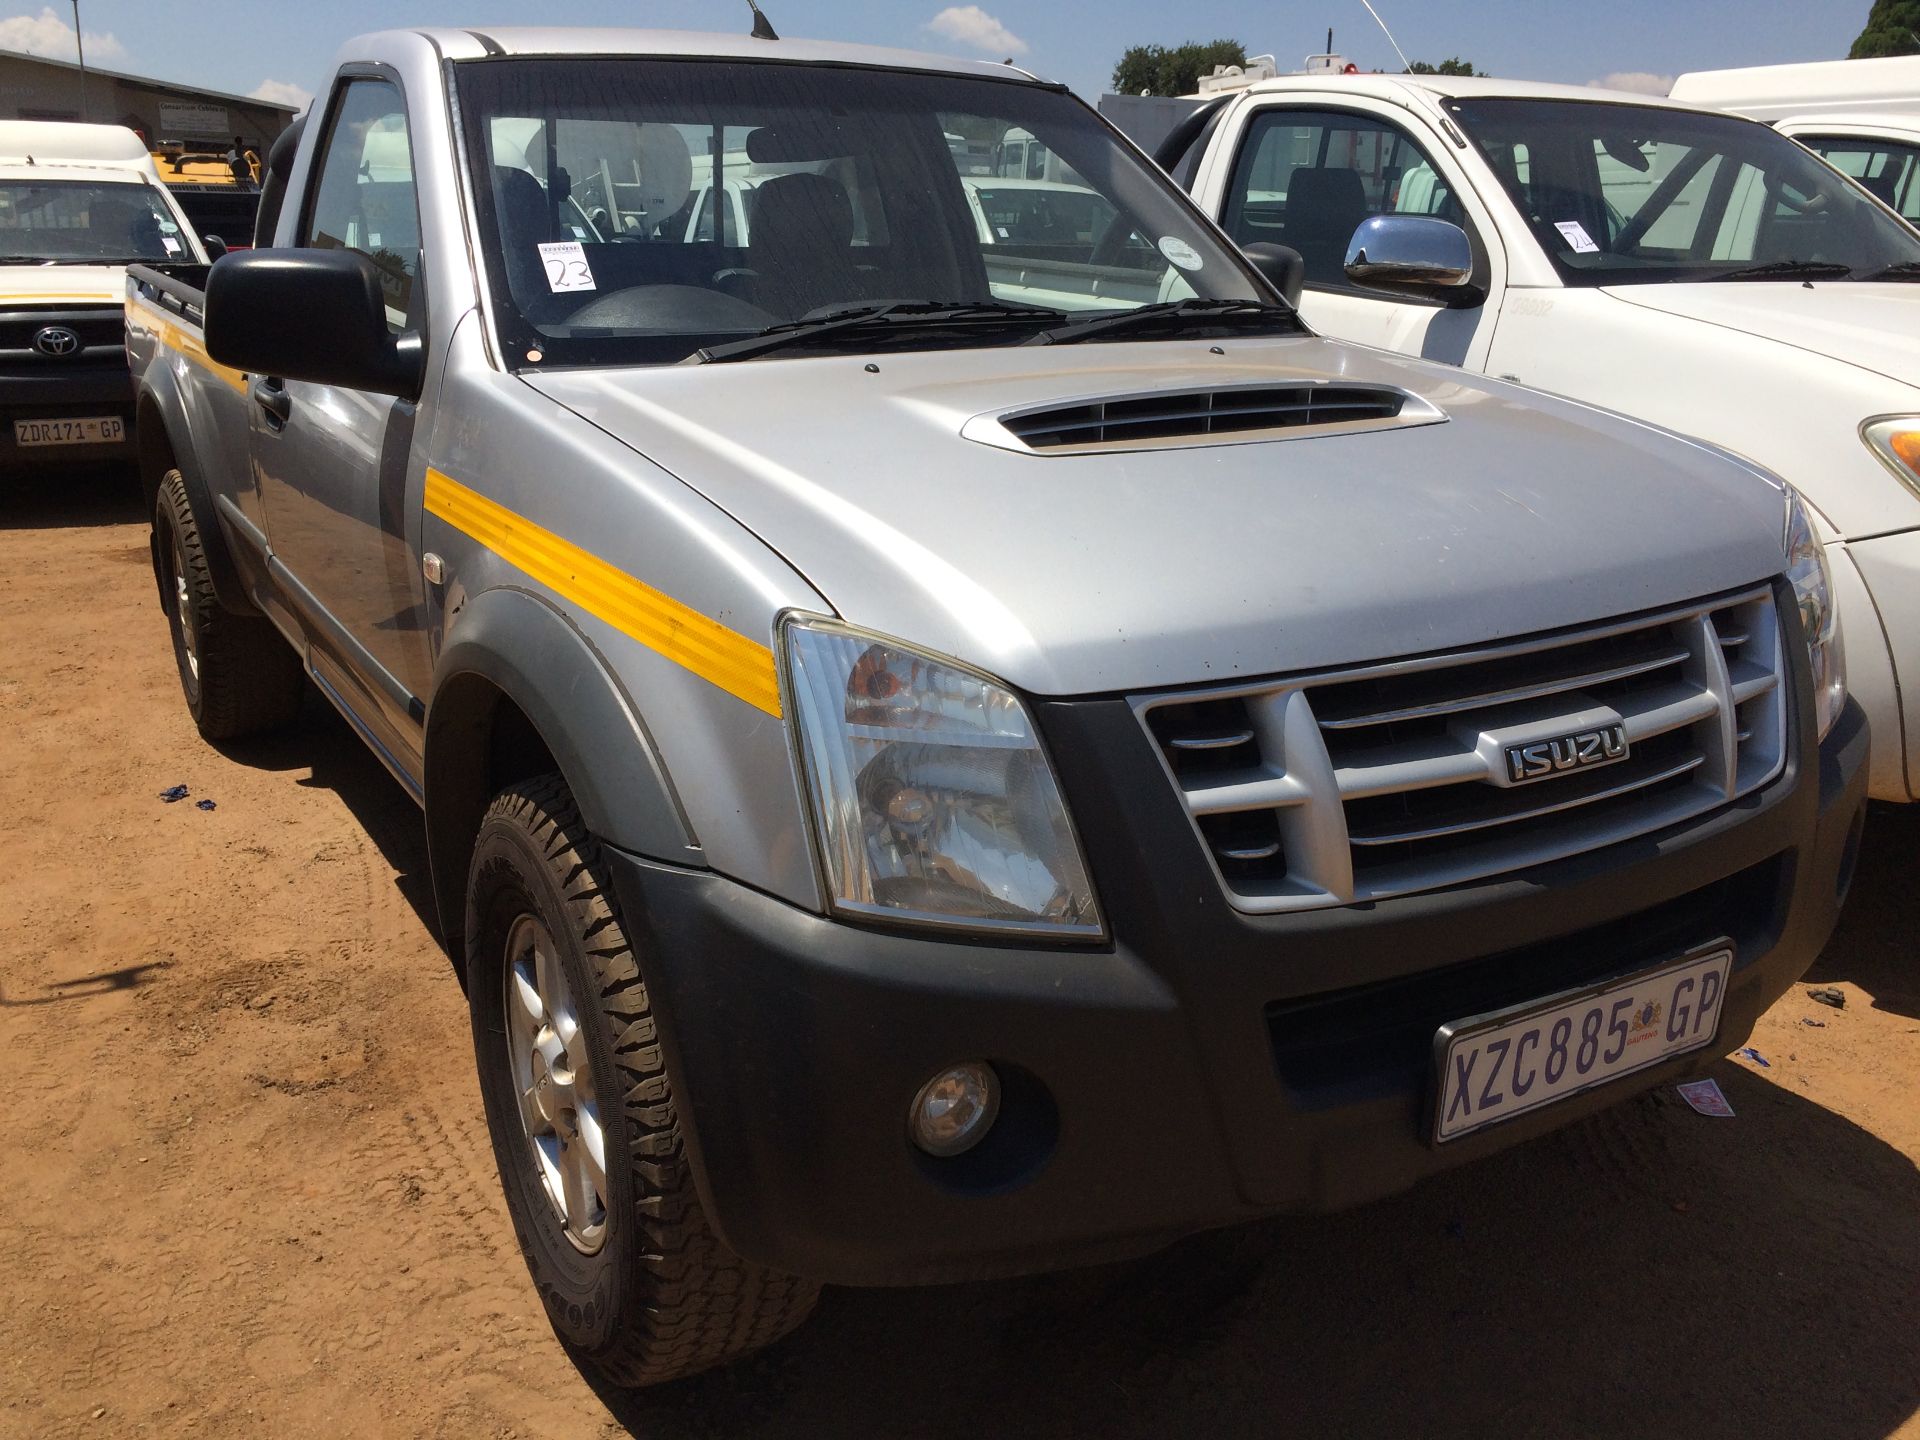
{"points": [[36, 87]]}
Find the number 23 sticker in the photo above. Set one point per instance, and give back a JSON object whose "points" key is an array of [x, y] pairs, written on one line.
{"points": [[566, 266]]}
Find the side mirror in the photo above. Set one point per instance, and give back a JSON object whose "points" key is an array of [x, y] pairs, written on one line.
{"points": [[1285, 269], [214, 246], [1414, 255], [313, 315]]}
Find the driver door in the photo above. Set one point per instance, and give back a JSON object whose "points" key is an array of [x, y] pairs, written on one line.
{"points": [[1305, 174], [341, 471]]}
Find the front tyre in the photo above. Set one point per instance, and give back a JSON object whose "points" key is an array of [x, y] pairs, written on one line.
{"points": [[584, 1131]]}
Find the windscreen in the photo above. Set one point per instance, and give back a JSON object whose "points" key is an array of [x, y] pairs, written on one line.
{"points": [[85, 223], [635, 211], [1628, 194]]}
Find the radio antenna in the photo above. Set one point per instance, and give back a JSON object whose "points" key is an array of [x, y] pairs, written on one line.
{"points": [[763, 27], [1405, 64]]}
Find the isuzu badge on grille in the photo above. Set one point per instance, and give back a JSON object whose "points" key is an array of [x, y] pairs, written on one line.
{"points": [[1539, 759]]}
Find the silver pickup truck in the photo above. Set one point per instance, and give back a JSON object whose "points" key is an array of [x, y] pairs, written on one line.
{"points": [[926, 782]]}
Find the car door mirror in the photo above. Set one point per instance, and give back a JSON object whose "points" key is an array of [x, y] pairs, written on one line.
{"points": [[313, 315], [214, 246], [1285, 268], [1414, 255]]}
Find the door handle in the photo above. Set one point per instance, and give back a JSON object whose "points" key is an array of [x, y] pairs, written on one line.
{"points": [[271, 396]]}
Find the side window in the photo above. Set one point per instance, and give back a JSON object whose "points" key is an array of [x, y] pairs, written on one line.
{"points": [[1891, 171], [1307, 179], [365, 199]]}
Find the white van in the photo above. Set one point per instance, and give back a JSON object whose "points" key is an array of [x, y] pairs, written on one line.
{"points": [[1863, 116], [77, 204]]}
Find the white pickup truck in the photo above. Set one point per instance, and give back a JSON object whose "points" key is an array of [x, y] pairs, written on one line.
{"points": [[1861, 116], [77, 204], [1686, 267]]}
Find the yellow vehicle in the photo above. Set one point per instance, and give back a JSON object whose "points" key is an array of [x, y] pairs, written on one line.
{"points": [[210, 188]]}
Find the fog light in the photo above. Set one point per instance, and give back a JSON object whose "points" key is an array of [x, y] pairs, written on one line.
{"points": [[954, 1110]]}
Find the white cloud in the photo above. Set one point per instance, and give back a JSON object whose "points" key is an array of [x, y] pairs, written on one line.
{"points": [[282, 92], [47, 34], [970, 25], [1642, 82]]}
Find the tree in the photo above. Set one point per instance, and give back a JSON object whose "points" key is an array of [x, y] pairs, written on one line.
{"points": [[1893, 28], [1159, 71], [1454, 66]]}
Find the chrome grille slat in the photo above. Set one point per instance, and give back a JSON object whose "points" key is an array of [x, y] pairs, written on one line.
{"points": [[1226, 741], [1434, 832], [1539, 690], [1390, 778], [1249, 853]]}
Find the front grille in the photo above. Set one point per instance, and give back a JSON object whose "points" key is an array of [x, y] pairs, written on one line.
{"points": [[1364, 784], [1217, 415], [102, 332]]}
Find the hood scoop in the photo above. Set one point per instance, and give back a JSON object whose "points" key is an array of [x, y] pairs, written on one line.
{"points": [[1223, 415]]}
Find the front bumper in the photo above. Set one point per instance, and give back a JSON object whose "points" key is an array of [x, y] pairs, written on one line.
{"points": [[1205, 1068], [1889, 566], [64, 395]]}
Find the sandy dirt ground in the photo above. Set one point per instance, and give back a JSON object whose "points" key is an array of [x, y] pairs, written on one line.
{"points": [[246, 1188]]}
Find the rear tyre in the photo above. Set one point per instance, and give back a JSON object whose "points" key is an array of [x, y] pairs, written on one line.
{"points": [[582, 1115], [239, 676]]}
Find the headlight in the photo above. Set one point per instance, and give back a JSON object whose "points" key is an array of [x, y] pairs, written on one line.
{"points": [[1897, 442], [932, 798], [1819, 620]]}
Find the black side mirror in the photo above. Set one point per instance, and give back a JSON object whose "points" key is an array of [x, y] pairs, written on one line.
{"points": [[214, 246], [313, 315], [1283, 266]]}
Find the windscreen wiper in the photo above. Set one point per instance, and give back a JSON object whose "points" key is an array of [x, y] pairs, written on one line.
{"points": [[1905, 270], [1174, 315], [904, 313], [1791, 270]]}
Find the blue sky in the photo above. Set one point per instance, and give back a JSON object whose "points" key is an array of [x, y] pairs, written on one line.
{"points": [[239, 47]]}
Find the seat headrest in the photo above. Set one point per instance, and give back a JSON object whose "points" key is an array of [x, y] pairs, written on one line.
{"points": [[523, 207], [795, 211], [1335, 187]]}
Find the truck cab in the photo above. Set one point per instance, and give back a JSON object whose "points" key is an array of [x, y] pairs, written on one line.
{"points": [[890, 746], [1686, 267], [78, 203]]}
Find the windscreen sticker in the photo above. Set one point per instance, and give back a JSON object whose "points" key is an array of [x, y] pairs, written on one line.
{"points": [[170, 245], [566, 264], [1180, 252], [1576, 236]]}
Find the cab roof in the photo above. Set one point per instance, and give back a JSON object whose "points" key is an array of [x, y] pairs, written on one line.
{"points": [[67, 143], [537, 40], [1459, 87]]}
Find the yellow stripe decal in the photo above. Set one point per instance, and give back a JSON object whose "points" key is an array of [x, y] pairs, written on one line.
{"points": [[189, 345], [738, 665]]}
